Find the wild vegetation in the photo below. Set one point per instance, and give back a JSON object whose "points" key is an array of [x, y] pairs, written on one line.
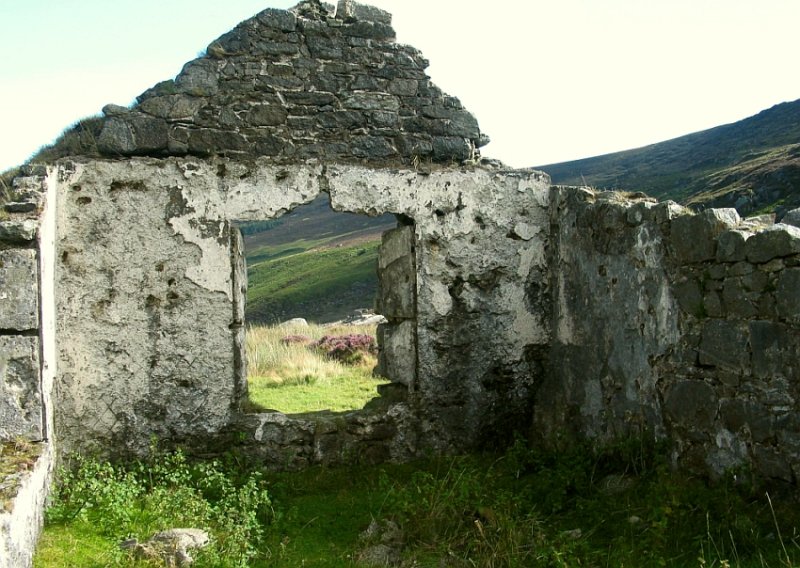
{"points": [[309, 368], [619, 506]]}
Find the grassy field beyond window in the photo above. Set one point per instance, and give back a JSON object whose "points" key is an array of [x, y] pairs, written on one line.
{"points": [[290, 371]]}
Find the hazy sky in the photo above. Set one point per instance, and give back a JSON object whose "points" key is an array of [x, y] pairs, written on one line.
{"points": [[548, 80]]}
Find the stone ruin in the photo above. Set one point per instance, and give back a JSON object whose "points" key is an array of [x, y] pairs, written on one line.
{"points": [[513, 306]]}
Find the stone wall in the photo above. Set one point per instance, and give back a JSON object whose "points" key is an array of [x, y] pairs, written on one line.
{"points": [[149, 270], [675, 326], [310, 82], [27, 364]]}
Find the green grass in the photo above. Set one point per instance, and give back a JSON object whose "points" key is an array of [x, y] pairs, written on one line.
{"points": [[321, 284], [619, 506], [292, 378]]}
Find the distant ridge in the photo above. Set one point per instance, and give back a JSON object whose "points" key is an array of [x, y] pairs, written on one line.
{"points": [[753, 165]]}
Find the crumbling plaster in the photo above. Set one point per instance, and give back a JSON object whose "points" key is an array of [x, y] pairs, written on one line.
{"points": [[147, 278]]}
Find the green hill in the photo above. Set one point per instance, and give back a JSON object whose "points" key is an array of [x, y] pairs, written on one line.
{"points": [[753, 165], [312, 263]]}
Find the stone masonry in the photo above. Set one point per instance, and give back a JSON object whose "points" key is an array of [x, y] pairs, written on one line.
{"points": [[512, 306]]}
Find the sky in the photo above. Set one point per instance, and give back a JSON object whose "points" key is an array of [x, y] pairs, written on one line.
{"points": [[548, 80]]}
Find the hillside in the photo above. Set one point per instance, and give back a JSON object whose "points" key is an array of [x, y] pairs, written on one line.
{"points": [[753, 165], [312, 263]]}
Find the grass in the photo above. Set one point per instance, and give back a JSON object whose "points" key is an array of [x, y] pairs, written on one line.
{"points": [[293, 378], [618, 506], [324, 283]]}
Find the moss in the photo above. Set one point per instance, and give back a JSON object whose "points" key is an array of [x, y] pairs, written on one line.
{"points": [[16, 457]]}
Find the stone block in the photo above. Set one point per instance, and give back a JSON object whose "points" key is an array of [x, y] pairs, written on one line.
{"points": [[691, 405], [396, 274], [773, 242], [19, 290], [738, 415], [730, 245], [397, 357], [21, 411], [787, 294], [278, 19], [18, 231], [724, 344], [694, 237], [792, 218], [775, 347]]}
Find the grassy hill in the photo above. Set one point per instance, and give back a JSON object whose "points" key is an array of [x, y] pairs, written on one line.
{"points": [[312, 263], [753, 165]]}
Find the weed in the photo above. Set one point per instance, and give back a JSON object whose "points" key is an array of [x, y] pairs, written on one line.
{"points": [[112, 502]]}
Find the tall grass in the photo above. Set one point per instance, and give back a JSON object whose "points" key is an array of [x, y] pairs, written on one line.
{"points": [[286, 373]]}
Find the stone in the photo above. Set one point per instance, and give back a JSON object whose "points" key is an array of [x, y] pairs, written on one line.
{"points": [[18, 231], [116, 137], [693, 237], [372, 101], [21, 207], [19, 290], [278, 19], [295, 322], [115, 110], [396, 348], [724, 344], [691, 405], [199, 78], [738, 415], [457, 149], [787, 294], [775, 241], [173, 107], [171, 546], [792, 218], [690, 297], [730, 245], [266, 115], [21, 412]]}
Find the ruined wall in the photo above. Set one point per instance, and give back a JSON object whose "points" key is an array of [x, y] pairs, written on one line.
{"points": [[674, 326], [27, 358], [151, 293], [294, 85]]}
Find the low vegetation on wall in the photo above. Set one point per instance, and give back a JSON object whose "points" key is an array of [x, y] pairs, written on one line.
{"points": [[618, 506]]}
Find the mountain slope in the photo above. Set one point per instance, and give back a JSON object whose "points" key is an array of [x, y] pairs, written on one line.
{"points": [[753, 164]]}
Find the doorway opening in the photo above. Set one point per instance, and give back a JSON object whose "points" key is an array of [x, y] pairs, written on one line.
{"points": [[311, 334]]}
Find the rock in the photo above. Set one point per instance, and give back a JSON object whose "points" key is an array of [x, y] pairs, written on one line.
{"points": [[694, 236], [691, 404], [378, 555], [792, 218], [21, 207], [115, 110], [19, 290], [295, 322], [170, 547], [18, 231], [21, 411], [775, 241]]}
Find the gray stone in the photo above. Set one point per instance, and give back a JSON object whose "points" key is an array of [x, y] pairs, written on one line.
{"points": [[690, 297], [694, 236], [397, 274], [266, 115], [792, 218], [403, 87], [372, 147], [775, 241], [740, 415], [774, 347], [724, 345], [21, 412], [278, 19], [173, 107], [449, 147], [116, 137], [115, 110], [730, 245], [372, 101], [21, 207], [787, 294], [19, 290], [18, 231], [199, 78], [691, 405]]}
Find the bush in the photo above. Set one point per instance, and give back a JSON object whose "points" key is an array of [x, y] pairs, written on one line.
{"points": [[163, 492], [349, 349]]}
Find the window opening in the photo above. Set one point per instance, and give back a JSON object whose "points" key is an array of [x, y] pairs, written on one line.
{"points": [[311, 327]]}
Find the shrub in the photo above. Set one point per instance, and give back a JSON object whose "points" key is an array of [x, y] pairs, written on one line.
{"points": [[349, 349]]}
